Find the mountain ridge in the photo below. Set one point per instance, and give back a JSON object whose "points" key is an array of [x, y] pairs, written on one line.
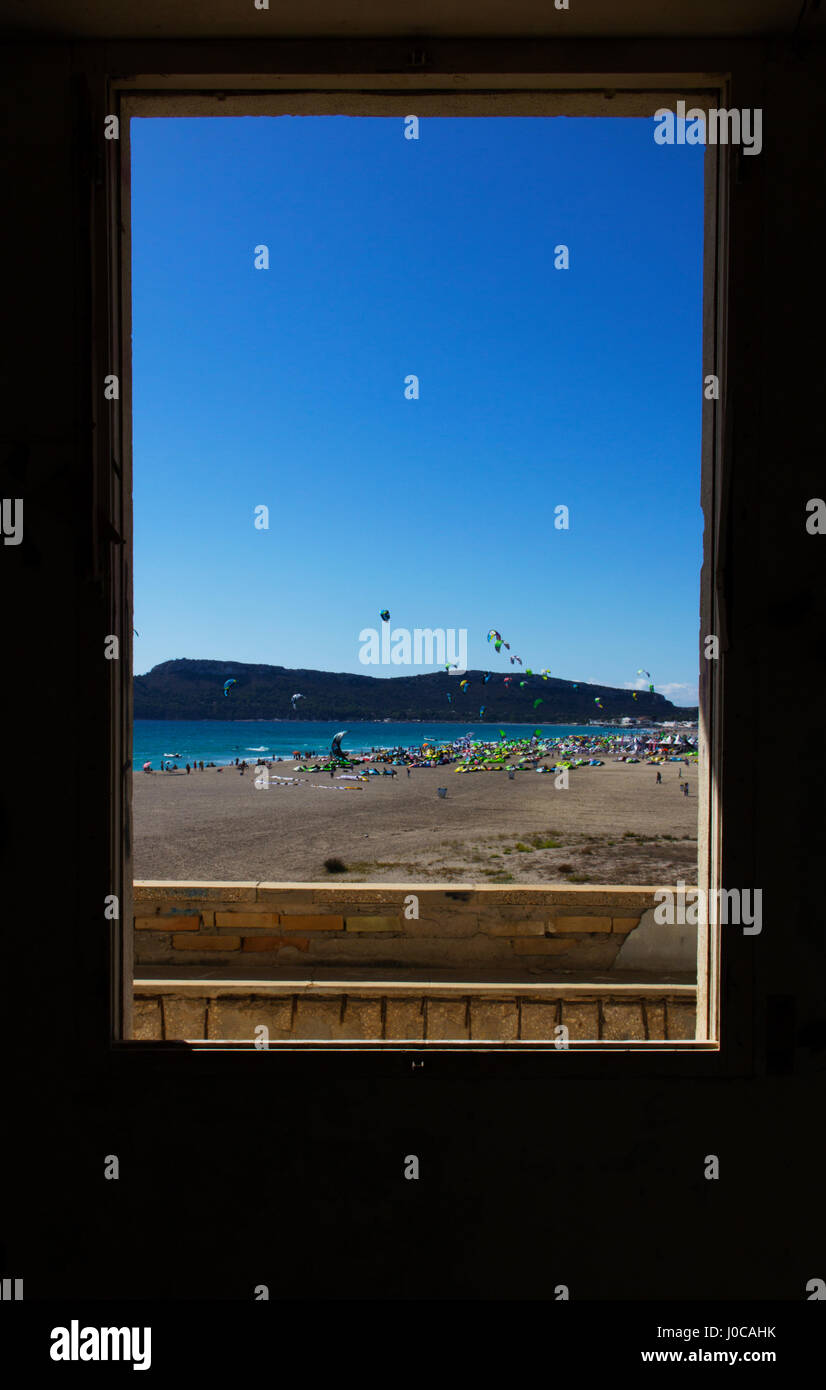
{"points": [[186, 688]]}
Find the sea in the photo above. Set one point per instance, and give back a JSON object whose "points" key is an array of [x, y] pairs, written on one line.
{"points": [[221, 741]]}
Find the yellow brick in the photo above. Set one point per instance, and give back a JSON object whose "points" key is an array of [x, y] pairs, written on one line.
{"points": [[624, 924], [622, 1021], [167, 923], [246, 919], [655, 1013], [539, 1020], [562, 925], [274, 943], [404, 1018], [369, 924], [581, 1020], [681, 1020], [493, 1018], [523, 928], [447, 1019], [206, 943], [321, 922], [146, 1020]]}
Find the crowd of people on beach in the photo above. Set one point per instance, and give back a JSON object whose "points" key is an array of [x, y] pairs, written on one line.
{"points": [[537, 753]]}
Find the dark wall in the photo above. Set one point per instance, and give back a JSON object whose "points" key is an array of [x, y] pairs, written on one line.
{"points": [[234, 1168]]}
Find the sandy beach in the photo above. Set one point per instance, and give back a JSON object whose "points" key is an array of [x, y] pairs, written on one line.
{"points": [[613, 824]]}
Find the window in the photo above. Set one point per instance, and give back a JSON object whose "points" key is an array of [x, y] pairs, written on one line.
{"points": [[366, 916]]}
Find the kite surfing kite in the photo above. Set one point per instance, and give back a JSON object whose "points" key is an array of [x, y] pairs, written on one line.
{"points": [[516, 658], [494, 636], [537, 702], [385, 615], [335, 746], [481, 710], [463, 685], [486, 677], [227, 684], [294, 698]]}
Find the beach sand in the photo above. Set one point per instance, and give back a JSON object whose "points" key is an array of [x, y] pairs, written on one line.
{"points": [[612, 825]]}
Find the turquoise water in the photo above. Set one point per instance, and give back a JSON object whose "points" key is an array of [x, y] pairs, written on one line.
{"points": [[221, 741]]}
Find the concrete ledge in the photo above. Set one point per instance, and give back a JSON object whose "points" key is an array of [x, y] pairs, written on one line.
{"points": [[151, 986], [572, 895]]}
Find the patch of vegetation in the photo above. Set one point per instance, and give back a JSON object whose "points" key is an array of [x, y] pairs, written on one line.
{"points": [[365, 866], [523, 849], [335, 866], [565, 868], [502, 878]]}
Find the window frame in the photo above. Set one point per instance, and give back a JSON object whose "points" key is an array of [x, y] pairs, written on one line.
{"points": [[216, 93]]}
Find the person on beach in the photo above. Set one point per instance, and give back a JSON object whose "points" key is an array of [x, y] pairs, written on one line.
{"points": [[659, 778], [685, 789], [187, 769]]}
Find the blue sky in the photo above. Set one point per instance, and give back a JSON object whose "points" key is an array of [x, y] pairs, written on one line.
{"points": [[538, 387]]}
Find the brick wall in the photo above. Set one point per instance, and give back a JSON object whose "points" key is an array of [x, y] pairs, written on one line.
{"points": [[197, 1011], [516, 931]]}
